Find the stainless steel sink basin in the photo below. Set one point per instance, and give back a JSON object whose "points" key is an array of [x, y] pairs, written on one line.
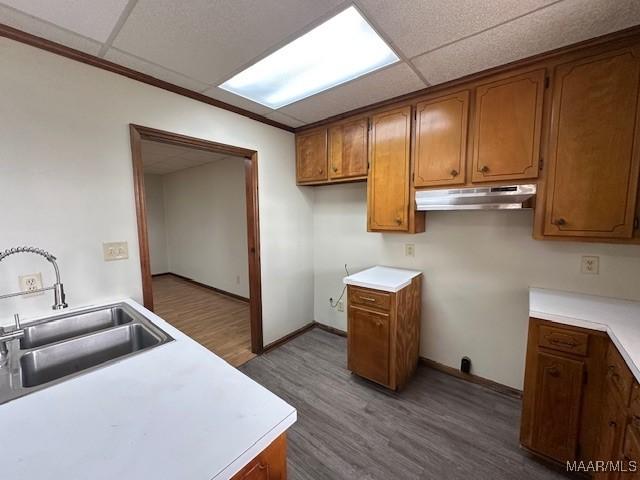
{"points": [[66, 358], [72, 326], [64, 346]]}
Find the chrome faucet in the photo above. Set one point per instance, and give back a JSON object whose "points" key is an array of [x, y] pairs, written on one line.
{"points": [[58, 297]]}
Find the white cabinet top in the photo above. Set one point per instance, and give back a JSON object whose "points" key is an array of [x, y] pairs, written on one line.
{"points": [[387, 279], [619, 318], [174, 412]]}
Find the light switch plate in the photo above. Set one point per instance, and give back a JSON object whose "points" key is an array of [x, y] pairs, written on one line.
{"points": [[590, 265], [115, 251], [409, 250], [30, 282]]}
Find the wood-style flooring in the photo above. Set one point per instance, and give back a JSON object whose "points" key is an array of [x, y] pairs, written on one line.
{"points": [[439, 427], [218, 322]]}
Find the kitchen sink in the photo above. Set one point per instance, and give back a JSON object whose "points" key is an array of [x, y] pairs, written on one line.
{"points": [[72, 326], [66, 358], [61, 347]]}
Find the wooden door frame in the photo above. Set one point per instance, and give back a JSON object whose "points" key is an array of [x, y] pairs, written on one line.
{"points": [[139, 133]]}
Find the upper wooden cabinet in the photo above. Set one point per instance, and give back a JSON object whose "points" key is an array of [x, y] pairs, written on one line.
{"points": [[311, 156], [388, 186], [441, 140], [348, 149], [507, 125], [594, 147]]}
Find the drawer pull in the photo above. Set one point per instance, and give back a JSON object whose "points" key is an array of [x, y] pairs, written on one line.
{"points": [[563, 343], [636, 421], [368, 299]]}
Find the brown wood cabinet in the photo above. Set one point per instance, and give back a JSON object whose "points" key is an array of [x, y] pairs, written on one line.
{"points": [[384, 333], [594, 146], [348, 149], [270, 464], [508, 122], [389, 192], [440, 153], [581, 402], [311, 156]]}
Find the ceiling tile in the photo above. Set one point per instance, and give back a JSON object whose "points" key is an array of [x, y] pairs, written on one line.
{"points": [[381, 85], [419, 26], [126, 60], [34, 26], [561, 24], [210, 41], [238, 101], [286, 119], [91, 18]]}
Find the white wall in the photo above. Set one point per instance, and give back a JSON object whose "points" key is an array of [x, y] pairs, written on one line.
{"points": [[154, 197], [66, 182], [206, 225], [477, 269]]}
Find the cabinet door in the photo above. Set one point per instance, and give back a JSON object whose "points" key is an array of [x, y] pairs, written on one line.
{"points": [[270, 464], [348, 149], [388, 185], [311, 156], [631, 449], [557, 406], [611, 434], [369, 343], [508, 119], [441, 140], [593, 147]]}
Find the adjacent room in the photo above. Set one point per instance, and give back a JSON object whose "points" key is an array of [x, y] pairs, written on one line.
{"points": [[320, 239]]}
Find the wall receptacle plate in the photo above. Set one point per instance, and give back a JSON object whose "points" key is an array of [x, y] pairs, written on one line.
{"points": [[341, 306], [115, 251], [31, 282], [409, 250], [590, 265]]}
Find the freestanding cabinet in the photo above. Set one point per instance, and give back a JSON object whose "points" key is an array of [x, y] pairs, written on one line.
{"points": [[384, 306]]}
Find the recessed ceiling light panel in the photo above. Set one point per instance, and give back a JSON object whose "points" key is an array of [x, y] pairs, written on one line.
{"points": [[341, 49]]}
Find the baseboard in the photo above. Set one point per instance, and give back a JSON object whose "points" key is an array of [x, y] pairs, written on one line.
{"points": [[203, 285], [327, 328], [469, 377], [154, 275], [288, 337]]}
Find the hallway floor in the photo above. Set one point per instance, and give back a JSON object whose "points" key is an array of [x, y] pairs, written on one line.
{"points": [[218, 322]]}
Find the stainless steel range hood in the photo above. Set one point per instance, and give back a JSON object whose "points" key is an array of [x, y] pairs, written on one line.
{"points": [[477, 198]]}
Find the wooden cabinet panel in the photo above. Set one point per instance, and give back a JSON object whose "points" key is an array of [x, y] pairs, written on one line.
{"points": [[270, 464], [369, 344], [631, 449], [508, 120], [557, 406], [348, 149], [594, 147], [619, 377], [611, 434], [388, 185], [311, 156], [370, 298], [441, 140]]}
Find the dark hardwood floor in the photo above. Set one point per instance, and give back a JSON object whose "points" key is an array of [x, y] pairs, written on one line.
{"points": [[439, 427]]}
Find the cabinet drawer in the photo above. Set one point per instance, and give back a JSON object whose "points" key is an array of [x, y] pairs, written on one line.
{"points": [[370, 298], [618, 374], [563, 340]]}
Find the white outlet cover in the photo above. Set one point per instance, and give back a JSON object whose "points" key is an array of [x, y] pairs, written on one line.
{"points": [[590, 265], [115, 251], [409, 250], [32, 281], [341, 306]]}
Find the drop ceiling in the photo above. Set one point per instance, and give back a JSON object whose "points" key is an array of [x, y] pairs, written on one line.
{"points": [[161, 158], [198, 44]]}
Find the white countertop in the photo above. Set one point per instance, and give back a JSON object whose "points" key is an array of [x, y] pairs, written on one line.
{"points": [[387, 279], [619, 318], [174, 412]]}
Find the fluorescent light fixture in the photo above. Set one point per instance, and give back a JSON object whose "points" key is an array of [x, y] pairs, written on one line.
{"points": [[341, 49]]}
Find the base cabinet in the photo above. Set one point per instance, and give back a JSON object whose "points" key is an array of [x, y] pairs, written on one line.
{"points": [[270, 464], [383, 337]]}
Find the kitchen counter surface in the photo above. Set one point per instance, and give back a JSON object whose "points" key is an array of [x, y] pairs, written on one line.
{"points": [[619, 318], [174, 412], [387, 279]]}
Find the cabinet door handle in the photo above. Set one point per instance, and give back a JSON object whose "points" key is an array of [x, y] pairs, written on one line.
{"points": [[335, 169], [559, 222], [321, 171], [484, 169], [454, 173], [553, 371], [612, 423], [399, 220]]}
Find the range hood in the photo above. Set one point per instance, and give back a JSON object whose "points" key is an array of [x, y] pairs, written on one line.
{"points": [[509, 197]]}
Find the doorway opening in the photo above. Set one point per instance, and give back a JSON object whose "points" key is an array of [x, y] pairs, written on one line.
{"points": [[198, 224]]}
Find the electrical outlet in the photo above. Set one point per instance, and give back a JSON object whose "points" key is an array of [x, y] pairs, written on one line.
{"points": [[591, 265], [115, 251], [340, 306], [409, 250], [31, 282]]}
